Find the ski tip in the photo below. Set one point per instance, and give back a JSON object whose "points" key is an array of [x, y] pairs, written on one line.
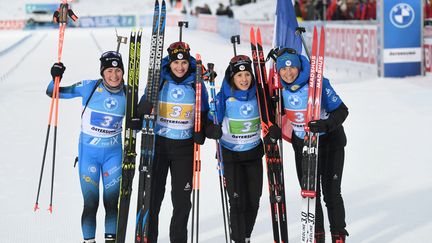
{"points": [[322, 29]]}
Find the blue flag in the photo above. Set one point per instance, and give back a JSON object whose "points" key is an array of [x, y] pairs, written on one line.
{"points": [[286, 24]]}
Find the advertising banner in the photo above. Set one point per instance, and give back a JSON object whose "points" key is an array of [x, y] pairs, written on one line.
{"points": [[401, 23], [107, 21]]}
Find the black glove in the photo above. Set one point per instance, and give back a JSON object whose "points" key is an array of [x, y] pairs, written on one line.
{"points": [[199, 137], [134, 123], [274, 134], [57, 70], [214, 131], [318, 126], [144, 108]]}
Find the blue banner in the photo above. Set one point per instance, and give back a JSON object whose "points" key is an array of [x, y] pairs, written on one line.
{"points": [[402, 38], [286, 24], [107, 21], [48, 7]]}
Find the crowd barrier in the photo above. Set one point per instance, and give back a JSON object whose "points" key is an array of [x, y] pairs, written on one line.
{"points": [[353, 41]]}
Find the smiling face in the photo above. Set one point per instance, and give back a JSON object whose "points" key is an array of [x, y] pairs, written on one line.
{"points": [[113, 76], [242, 80], [289, 74], [179, 68]]}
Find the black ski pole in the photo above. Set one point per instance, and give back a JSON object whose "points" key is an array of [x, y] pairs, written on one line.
{"points": [[180, 25], [299, 31], [235, 39], [120, 40]]}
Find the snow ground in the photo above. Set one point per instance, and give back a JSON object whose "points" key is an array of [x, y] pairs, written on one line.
{"points": [[386, 183]]}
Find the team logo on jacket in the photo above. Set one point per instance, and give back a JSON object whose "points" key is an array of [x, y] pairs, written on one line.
{"points": [[177, 94], [92, 169], [294, 100], [110, 103], [246, 109], [402, 15]]}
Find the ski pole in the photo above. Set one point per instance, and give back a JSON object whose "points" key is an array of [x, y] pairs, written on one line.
{"points": [[197, 153], [235, 39], [180, 25], [299, 31], [220, 164], [61, 17], [120, 40]]}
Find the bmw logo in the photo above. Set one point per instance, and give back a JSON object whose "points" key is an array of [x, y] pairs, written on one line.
{"points": [[92, 169], [242, 67], [177, 94], [288, 63], [114, 63], [294, 100], [110, 103], [179, 56], [246, 109], [402, 15]]}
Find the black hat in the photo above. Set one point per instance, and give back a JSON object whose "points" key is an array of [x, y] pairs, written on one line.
{"points": [[240, 63], [179, 51], [110, 59]]}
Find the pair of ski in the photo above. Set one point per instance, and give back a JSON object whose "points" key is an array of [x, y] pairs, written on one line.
{"points": [[147, 137], [273, 152], [311, 140]]}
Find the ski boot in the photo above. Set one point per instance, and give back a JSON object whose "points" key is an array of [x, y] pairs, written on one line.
{"points": [[319, 237], [90, 241]]}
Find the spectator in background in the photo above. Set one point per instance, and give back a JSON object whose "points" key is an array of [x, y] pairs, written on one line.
{"points": [[370, 10], [221, 10], [224, 11], [428, 9], [229, 12], [202, 10], [309, 10], [205, 9], [360, 11], [298, 12], [351, 8]]}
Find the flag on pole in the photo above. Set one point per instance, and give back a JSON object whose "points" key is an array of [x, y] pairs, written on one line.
{"points": [[286, 24], [285, 36]]}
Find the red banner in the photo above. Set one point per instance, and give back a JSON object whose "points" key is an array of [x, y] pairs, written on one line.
{"points": [[428, 57], [12, 24], [351, 43], [207, 23], [265, 28]]}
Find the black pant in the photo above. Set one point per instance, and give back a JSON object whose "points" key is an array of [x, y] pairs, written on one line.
{"points": [[176, 156], [330, 168], [244, 185]]}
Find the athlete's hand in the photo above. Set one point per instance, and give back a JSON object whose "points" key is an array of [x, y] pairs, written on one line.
{"points": [[318, 126], [144, 108], [57, 70], [214, 131]]}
